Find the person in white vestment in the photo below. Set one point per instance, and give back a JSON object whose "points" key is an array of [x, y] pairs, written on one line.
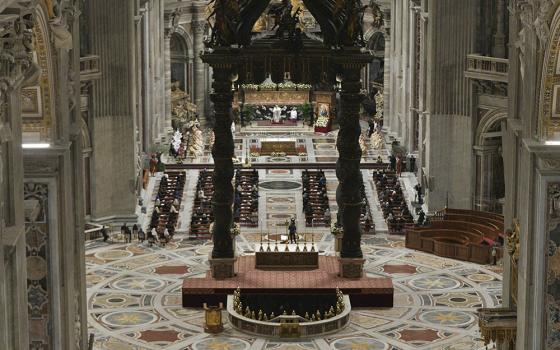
{"points": [[276, 115], [293, 114]]}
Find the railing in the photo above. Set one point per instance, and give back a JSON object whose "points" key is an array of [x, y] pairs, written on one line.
{"points": [[487, 68], [93, 231], [89, 68]]}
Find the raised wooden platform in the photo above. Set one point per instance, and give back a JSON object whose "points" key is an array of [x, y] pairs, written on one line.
{"points": [[363, 292]]}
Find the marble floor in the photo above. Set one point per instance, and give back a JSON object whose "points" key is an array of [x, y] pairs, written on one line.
{"points": [[134, 291], [134, 299]]}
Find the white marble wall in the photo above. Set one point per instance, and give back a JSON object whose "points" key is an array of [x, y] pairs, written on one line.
{"points": [[114, 101], [445, 145]]}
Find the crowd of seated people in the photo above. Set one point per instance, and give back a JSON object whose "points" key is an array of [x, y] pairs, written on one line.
{"points": [[392, 200], [246, 201], [166, 208], [366, 221], [202, 215], [315, 199]]}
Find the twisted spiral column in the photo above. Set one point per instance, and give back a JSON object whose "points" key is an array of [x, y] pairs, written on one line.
{"points": [[348, 194], [222, 152]]}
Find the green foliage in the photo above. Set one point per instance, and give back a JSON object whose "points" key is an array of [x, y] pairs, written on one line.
{"points": [[306, 111], [248, 113]]}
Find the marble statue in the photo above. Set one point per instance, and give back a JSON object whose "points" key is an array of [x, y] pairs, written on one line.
{"points": [[377, 140]]}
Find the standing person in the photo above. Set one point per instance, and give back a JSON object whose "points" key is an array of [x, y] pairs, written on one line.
{"points": [[104, 233], [327, 216], [141, 235], [127, 235], [418, 189], [367, 226], [124, 228], [135, 230], [153, 165], [399, 165], [494, 255], [412, 164], [371, 130], [421, 217], [393, 162], [292, 231]]}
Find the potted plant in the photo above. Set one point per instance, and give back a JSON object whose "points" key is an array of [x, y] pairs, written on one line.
{"points": [[306, 111], [338, 233], [247, 114]]}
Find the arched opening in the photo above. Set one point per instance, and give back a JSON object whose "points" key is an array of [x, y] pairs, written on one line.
{"points": [[549, 106], [376, 69], [180, 63], [489, 163]]}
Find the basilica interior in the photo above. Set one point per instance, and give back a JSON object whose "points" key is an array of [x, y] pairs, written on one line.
{"points": [[280, 174]]}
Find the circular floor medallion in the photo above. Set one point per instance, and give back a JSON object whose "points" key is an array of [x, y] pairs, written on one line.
{"points": [[115, 254], [447, 318], [139, 283], [129, 318], [280, 185], [480, 277], [220, 343], [359, 343], [434, 283]]}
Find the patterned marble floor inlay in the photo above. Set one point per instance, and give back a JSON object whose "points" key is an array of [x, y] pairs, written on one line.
{"points": [[134, 298], [134, 291]]}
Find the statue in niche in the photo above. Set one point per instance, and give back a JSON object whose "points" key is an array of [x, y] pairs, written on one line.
{"points": [[227, 15], [350, 32]]}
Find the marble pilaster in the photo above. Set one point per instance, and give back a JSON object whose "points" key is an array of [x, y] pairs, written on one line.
{"points": [[167, 68], [199, 70], [447, 155], [113, 121], [486, 157], [500, 46], [387, 71]]}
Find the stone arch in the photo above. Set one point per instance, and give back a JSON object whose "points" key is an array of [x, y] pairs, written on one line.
{"points": [[38, 97], [187, 39], [489, 178], [548, 126], [374, 72], [181, 54], [488, 121], [84, 134]]}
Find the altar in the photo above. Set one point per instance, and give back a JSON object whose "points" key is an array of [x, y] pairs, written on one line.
{"points": [[279, 104], [272, 97], [276, 146], [302, 256]]}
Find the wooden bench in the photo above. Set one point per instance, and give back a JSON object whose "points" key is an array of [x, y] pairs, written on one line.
{"points": [[462, 235]]}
